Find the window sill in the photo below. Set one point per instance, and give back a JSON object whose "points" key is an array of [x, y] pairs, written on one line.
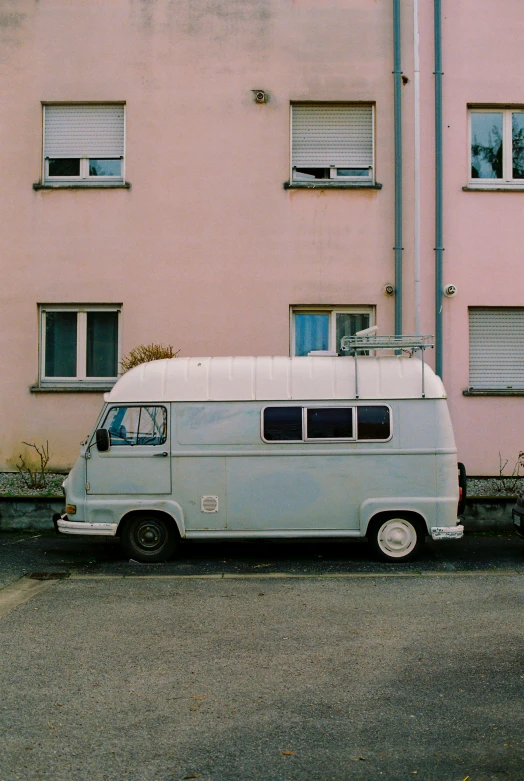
{"points": [[331, 185], [72, 388], [493, 392], [494, 188], [83, 186]]}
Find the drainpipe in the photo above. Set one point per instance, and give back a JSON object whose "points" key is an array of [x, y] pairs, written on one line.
{"points": [[439, 249], [416, 166], [397, 74]]}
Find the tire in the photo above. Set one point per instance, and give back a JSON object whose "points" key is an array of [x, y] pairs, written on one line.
{"points": [[149, 538], [397, 538]]}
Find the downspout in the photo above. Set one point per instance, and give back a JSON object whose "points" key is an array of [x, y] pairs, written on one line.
{"points": [[397, 76], [416, 166], [439, 249]]}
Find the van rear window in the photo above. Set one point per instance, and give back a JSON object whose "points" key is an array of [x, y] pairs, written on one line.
{"points": [[283, 424], [373, 422]]}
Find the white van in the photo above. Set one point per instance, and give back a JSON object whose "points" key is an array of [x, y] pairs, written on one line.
{"points": [[228, 448]]}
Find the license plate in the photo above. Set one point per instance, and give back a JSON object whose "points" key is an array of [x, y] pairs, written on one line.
{"points": [[516, 519]]}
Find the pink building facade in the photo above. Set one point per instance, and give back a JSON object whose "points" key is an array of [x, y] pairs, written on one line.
{"points": [[221, 177]]}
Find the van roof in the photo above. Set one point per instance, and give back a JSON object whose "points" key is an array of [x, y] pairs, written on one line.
{"points": [[276, 379]]}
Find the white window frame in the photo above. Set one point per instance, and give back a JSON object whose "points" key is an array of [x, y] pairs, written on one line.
{"points": [[507, 180], [84, 177], [333, 171], [81, 378], [332, 311]]}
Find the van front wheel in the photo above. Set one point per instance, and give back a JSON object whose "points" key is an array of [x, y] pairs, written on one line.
{"points": [[396, 539], [148, 538]]}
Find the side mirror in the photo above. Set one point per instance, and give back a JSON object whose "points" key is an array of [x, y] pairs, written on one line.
{"points": [[103, 440]]}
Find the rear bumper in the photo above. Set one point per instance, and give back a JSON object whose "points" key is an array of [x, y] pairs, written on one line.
{"points": [[447, 532], [65, 526]]}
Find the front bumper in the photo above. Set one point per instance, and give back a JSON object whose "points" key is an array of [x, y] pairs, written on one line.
{"points": [[65, 526], [447, 532]]}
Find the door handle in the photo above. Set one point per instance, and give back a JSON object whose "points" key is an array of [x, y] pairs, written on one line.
{"points": [[160, 455]]}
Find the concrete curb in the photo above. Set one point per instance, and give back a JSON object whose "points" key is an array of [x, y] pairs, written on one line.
{"points": [[35, 512], [488, 513]]}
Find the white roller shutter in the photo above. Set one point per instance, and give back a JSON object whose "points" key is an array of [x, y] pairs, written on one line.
{"points": [[496, 348], [84, 131], [326, 135]]}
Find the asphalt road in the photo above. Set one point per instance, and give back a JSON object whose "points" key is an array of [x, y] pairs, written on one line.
{"points": [[29, 552], [282, 662]]}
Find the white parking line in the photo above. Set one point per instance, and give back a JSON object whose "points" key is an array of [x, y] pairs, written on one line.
{"points": [[22, 591]]}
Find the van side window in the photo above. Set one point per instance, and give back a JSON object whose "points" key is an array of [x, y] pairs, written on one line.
{"points": [[330, 423], [373, 422], [137, 425], [283, 424]]}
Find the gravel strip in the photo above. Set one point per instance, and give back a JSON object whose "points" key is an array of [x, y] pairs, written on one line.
{"points": [[498, 487], [12, 484]]}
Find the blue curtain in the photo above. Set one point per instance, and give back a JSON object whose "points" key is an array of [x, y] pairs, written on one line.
{"points": [[311, 332]]}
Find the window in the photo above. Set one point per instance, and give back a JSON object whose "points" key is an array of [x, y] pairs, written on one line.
{"points": [[297, 424], [79, 345], [322, 328], [332, 143], [373, 422], [283, 424], [136, 425], [497, 146], [496, 349], [330, 423], [83, 144]]}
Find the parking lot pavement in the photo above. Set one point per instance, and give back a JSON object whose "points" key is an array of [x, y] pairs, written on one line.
{"points": [[22, 553], [270, 677]]}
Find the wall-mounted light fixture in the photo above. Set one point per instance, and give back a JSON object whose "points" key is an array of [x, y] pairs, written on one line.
{"points": [[260, 95]]}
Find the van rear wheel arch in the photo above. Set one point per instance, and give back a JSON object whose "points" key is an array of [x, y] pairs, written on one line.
{"points": [[397, 536], [149, 535]]}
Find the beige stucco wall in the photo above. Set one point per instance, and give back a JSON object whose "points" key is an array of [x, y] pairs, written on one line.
{"points": [[207, 251]]}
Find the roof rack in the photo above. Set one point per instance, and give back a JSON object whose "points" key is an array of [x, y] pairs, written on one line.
{"points": [[367, 340], [363, 340]]}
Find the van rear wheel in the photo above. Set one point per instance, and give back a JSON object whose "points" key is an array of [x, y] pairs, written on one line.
{"points": [[396, 539], [149, 538]]}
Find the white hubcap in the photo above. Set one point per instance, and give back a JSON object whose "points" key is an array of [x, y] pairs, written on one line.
{"points": [[397, 537]]}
